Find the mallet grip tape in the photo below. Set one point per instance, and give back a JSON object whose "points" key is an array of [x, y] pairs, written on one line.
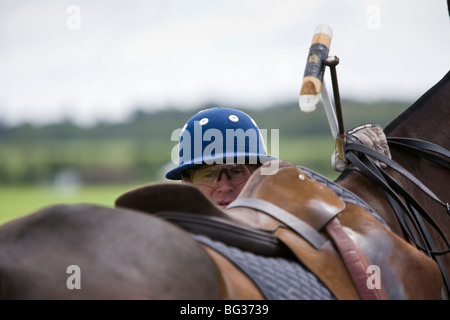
{"points": [[314, 70]]}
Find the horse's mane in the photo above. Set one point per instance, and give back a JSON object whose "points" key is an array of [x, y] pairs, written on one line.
{"points": [[421, 102]]}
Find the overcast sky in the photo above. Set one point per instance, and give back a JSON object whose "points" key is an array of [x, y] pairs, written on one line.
{"points": [[97, 60]]}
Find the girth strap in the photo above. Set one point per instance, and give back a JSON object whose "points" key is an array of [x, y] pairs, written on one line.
{"points": [[355, 262], [261, 242], [300, 227]]}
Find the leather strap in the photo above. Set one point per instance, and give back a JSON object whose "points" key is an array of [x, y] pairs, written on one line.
{"points": [[394, 165], [393, 189], [387, 183], [297, 225], [354, 261], [422, 149], [258, 241]]}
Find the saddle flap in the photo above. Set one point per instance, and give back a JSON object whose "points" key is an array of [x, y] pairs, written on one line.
{"points": [[317, 204], [294, 192]]}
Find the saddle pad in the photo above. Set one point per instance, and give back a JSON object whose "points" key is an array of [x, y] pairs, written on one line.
{"points": [[277, 278], [345, 194]]}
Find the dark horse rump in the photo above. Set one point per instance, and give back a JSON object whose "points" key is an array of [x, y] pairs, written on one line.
{"points": [[119, 254], [119, 258]]}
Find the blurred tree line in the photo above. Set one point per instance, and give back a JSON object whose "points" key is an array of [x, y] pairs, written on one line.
{"points": [[139, 148]]}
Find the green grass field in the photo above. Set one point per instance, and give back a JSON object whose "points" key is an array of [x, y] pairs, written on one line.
{"points": [[20, 201], [15, 201]]}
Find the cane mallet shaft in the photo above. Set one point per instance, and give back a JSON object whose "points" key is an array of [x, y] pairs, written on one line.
{"points": [[332, 62], [315, 68]]}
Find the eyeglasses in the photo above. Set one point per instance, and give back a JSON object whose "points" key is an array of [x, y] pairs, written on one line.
{"points": [[210, 175]]}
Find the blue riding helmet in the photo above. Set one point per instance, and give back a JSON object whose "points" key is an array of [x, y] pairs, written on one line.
{"points": [[219, 136]]}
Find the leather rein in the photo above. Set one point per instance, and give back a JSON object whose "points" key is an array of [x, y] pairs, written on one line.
{"points": [[410, 214]]}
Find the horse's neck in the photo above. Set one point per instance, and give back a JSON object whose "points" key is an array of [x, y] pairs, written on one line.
{"points": [[427, 119]]}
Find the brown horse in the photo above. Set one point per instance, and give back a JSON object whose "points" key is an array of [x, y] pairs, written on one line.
{"points": [[287, 236]]}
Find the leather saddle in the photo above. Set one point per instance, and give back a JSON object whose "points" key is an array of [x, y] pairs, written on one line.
{"points": [[285, 213]]}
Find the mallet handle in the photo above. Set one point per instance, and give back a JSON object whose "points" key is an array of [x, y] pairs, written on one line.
{"points": [[332, 62], [314, 70]]}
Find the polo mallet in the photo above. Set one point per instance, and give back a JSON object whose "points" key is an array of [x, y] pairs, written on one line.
{"points": [[313, 84]]}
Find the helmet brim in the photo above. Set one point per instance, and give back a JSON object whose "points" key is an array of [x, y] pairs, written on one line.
{"points": [[175, 173]]}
